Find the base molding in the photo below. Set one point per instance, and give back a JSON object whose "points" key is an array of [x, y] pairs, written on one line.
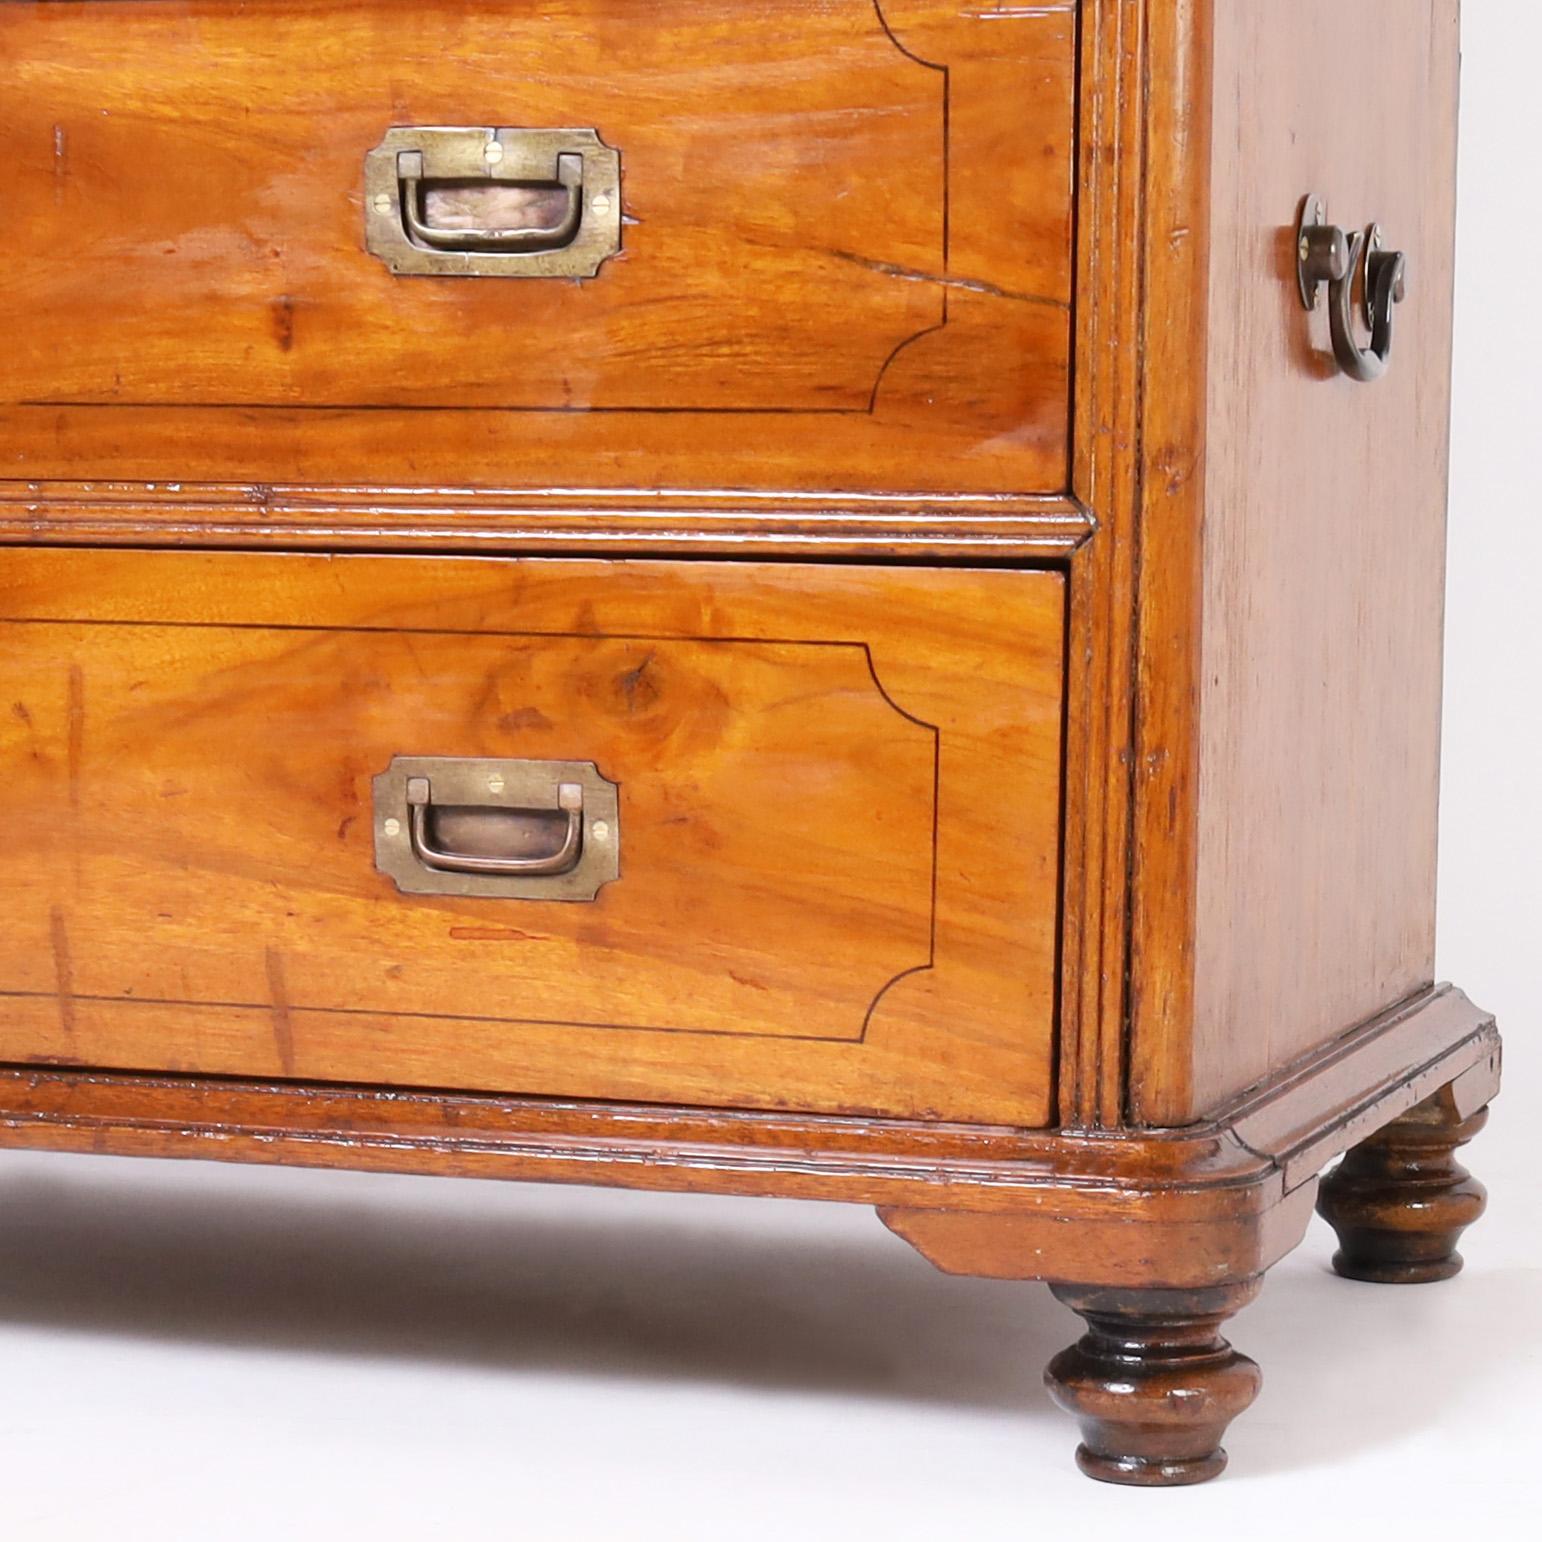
{"points": [[1215, 1202]]}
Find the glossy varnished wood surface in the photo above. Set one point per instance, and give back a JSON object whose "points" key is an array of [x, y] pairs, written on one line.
{"points": [[1291, 722], [1166, 616], [1400, 1201], [1152, 1383], [1180, 1209], [849, 221], [1100, 587], [1325, 558], [839, 814]]}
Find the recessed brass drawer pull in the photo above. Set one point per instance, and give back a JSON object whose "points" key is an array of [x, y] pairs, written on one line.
{"points": [[497, 829], [410, 164]]}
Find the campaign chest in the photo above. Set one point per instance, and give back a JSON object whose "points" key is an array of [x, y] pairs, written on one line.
{"points": [[838, 601]]}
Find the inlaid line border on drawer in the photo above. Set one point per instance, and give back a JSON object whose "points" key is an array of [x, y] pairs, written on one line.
{"points": [[64, 991], [943, 278]]}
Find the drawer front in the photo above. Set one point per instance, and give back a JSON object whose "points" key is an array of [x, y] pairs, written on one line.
{"points": [[837, 813], [846, 224]]}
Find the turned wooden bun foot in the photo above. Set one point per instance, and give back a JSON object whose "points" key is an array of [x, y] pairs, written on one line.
{"points": [[1152, 1383], [1400, 1200]]}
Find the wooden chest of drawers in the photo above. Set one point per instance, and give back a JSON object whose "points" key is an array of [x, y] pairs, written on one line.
{"points": [[768, 598]]}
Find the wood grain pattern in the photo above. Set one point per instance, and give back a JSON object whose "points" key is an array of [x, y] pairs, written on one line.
{"points": [[839, 815], [1168, 615], [1115, 67], [1142, 252], [1176, 1240], [845, 220], [1316, 531], [1320, 729]]}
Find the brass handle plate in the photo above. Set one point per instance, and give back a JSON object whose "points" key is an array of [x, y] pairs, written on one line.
{"points": [[409, 163], [497, 829]]}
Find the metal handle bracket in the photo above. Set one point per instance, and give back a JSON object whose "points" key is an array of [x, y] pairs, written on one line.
{"points": [[1325, 254]]}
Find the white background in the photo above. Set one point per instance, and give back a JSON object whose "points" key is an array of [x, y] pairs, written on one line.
{"points": [[190, 1350]]}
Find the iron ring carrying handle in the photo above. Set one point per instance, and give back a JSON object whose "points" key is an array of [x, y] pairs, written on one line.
{"points": [[1326, 255], [533, 238], [570, 800]]}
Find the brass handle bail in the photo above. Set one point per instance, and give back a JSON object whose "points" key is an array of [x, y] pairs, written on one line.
{"points": [[570, 799], [530, 238], [1325, 254]]}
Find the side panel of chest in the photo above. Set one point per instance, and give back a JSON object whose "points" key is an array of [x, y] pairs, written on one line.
{"points": [[1301, 733]]}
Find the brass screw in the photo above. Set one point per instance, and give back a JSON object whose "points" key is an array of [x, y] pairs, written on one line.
{"points": [[495, 784], [382, 203], [600, 203], [600, 830], [393, 827], [492, 152]]}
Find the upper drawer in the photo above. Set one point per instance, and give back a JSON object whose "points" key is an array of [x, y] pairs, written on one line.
{"points": [[826, 840], [845, 245]]}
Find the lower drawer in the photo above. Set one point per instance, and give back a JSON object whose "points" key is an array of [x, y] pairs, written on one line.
{"points": [[826, 877]]}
